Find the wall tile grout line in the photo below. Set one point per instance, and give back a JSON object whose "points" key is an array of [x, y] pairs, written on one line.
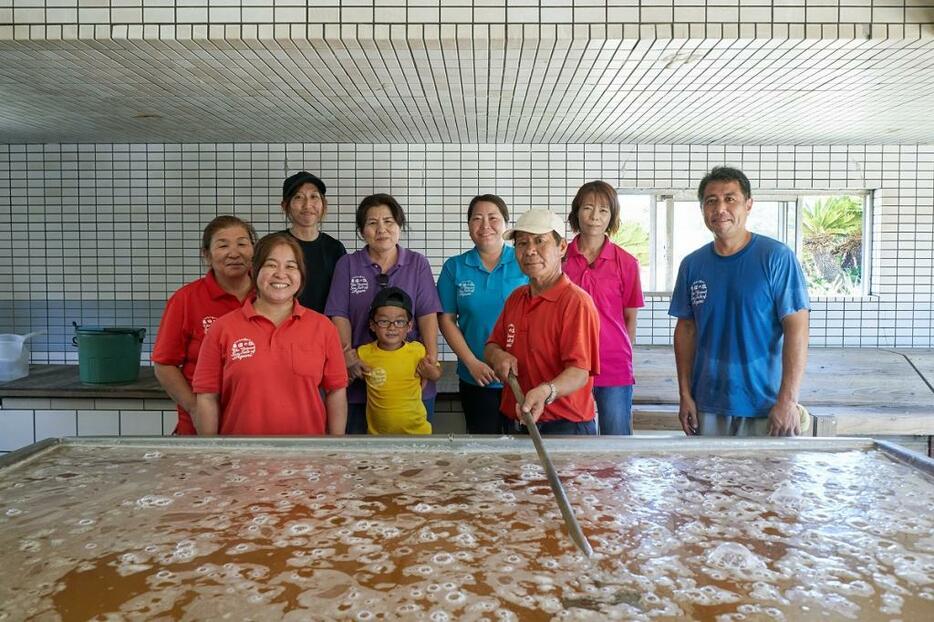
{"points": [[103, 188]]}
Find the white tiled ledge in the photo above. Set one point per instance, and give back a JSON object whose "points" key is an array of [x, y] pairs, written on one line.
{"points": [[37, 403], [24, 425], [467, 12], [24, 421], [476, 31]]}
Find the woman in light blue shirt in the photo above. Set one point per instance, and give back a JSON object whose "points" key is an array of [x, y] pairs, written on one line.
{"points": [[473, 287]]}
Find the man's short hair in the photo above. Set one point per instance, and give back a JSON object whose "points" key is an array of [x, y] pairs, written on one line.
{"points": [[725, 173]]}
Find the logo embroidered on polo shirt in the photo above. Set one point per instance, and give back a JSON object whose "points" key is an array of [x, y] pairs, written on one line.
{"points": [[510, 335], [698, 292], [358, 284], [242, 349], [466, 288], [207, 322], [376, 377]]}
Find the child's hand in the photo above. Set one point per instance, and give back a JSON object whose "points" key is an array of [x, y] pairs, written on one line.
{"points": [[429, 368], [355, 367]]}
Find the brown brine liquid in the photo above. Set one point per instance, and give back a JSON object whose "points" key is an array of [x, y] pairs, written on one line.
{"points": [[142, 533]]}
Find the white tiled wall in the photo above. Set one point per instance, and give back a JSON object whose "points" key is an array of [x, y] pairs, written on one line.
{"points": [[103, 234]]}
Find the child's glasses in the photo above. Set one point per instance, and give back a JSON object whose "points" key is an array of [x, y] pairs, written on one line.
{"points": [[399, 323]]}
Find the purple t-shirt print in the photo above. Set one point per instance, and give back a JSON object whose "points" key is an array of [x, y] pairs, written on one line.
{"points": [[354, 287]]}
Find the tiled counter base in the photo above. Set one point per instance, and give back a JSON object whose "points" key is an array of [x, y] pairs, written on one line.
{"points": [[25, 420], [52, 402]]}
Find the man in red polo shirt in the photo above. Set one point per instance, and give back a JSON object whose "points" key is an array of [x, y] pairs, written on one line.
{"points": [[548, 333]]}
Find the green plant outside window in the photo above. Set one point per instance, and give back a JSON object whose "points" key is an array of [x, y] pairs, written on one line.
{"points": [[832, 240]]}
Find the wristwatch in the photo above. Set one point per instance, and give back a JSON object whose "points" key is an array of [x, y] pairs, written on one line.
{"points": [[552, 394]]}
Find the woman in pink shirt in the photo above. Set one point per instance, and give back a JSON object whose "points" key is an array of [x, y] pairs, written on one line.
{"points": [[611, 276]]}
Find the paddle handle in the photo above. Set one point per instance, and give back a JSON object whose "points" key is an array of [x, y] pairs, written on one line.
{"points": [[574, 528]]}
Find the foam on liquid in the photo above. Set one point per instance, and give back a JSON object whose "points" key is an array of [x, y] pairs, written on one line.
{"points": [[235, 534]]}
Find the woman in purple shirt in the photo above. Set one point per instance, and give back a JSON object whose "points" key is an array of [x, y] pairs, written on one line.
{"points": [[359, 276], [611, 276]]}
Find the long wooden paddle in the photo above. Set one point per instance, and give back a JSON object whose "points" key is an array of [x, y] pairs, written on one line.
{"points": [[567, 512]]}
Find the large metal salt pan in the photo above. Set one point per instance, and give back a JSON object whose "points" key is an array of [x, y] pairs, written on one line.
{"points": [[464, 528]]}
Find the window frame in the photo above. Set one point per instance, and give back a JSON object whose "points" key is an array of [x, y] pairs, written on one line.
{"points": [[661, 246]]}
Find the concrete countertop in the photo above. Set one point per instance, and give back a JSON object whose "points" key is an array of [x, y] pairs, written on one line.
{"points": [[860, 379], [62, 381]]}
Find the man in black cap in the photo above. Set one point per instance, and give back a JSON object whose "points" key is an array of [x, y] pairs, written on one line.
{"points": [[305, 205]]}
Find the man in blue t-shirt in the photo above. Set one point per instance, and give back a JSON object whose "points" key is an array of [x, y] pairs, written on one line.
{"points": [[742, 333]]}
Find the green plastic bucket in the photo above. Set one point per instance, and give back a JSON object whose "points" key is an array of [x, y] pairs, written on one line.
{"points": [[108, 355]]}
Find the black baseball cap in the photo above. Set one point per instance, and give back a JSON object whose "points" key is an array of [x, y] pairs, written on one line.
{"points": [[391, 297], [291, 184]]}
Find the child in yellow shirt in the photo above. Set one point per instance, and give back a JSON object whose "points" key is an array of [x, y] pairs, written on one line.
{"points": [[398, 369]]}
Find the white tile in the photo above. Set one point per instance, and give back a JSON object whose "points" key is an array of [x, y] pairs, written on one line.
{"points": [[225, 15], [25, 403], [70, 403], [93, 16], [140, 423], [16, 429], [126, 15], [106, 403], [169, 421], [257, 14], [98, 423], [55, 423], [158, 405]]}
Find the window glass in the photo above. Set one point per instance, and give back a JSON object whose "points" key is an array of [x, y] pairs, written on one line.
{"points": [[766, 217], [635, 231], [690, 233], [832, 244]]}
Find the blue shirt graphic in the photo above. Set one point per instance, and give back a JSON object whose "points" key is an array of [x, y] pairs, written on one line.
{"points": [[476, 297], [737, 303]]}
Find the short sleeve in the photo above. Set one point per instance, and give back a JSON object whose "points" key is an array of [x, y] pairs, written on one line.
{"points": [[580, 347], [209, 373], [789, 285], [171, 342], [447, 287], [632, 296], [335, 372], [498, 334], [338, 303], [680, 305], [363, 353], [426, 295], [418, 351]]}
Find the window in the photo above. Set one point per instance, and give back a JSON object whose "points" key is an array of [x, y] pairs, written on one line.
{"points": [[825, 229]]}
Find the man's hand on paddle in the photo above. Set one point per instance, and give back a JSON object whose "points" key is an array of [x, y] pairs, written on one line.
{"points": [[502, 362], [534, 403]]}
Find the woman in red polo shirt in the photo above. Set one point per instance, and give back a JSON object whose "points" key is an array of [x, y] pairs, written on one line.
{"points": [[227, 249], [264, 368]]}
